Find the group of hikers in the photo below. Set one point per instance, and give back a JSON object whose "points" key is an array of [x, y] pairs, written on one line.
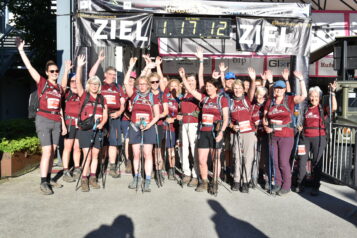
{"points": [[188, 128]]}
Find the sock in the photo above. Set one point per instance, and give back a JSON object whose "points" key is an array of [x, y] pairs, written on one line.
{"points": [[148, 177], [92, 174], [77, 167], [43, 179], [48, 177], [84, 176]]}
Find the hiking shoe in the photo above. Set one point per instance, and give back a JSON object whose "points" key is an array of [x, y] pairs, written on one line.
{"points": [[135, 183], [161, 174], [203, 186], [113, 171], [93, 182], [283, 192], [171, 174], [76, 173], [45, 189], [276, 188], [315, 192], [186, 179], [128, 167], [84, 185], [266, 186], [147, 185], [213, 188], [67, 177], [54, 184], [193, 183], [299, 188], [236, 186], [245, 188]]}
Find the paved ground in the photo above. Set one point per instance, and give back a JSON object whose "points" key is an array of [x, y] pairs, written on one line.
{"points": [[171, 212]]}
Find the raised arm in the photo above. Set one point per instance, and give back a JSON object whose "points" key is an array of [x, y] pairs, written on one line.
{"points": [[269, 77], [300, 98], [222, 70], [128, 88], [251, 90], [194, 92], [285, 75], [162, 82], [33, 72], [80, 62], [333, 87], [67, 67], [148, 66], [95, 67], [199, 55]]}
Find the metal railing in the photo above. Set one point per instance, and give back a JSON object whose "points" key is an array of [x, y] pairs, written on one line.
{"points": [[340, 157]]}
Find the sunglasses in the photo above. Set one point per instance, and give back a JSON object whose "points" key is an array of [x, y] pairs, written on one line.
{"points": [[155, 81], [73, 81], [54, 71]]}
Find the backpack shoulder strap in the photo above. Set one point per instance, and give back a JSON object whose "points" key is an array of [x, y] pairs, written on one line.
{"points": [[286, 103], [70, 94], [86, 100], [43, 90], [151, 98]]}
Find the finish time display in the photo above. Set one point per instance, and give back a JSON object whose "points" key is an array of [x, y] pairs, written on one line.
{"points": [[192, 27]]}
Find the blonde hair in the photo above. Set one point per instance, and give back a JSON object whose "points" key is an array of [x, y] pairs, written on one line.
{"points": [[154, 75], [145, 78], [94, 79], [179, 91], [262, 90], [237, 82], [315, 89]]}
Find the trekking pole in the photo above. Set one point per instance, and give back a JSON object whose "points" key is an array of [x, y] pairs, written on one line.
{"points": [[157, 164], [295, 150], [141, 166], [270, 163], [102, 163], [179, 181], [92, 140], [255, 167], [330, 123]]}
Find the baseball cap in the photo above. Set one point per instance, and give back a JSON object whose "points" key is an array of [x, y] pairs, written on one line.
{"points": [[279, 84], [133, 74], [230, 75]]}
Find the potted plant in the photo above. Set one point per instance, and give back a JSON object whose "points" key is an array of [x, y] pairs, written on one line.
{"points": [[19, 146]]}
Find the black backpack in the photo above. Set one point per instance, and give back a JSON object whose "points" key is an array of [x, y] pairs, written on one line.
{"points": [[34, 101]]}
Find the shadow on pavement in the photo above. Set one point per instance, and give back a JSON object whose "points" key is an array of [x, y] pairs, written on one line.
{"points": [[336, 206], [228, 226], [122, 227]]}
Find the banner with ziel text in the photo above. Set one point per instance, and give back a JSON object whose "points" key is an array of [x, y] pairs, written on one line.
{"points": [[278, 36], [113, 30]]}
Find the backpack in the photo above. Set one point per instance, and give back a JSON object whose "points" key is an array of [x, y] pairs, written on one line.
{"points": [[151, 98], [326, 121], [292, 122], [89, 123], [34, 102]]}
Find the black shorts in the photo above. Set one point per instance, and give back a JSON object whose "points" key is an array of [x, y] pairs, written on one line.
{"points": [[85, 138], [114, 129], [207, 141], [135, 135], [125, 129], [161, 134], [71, 132]]}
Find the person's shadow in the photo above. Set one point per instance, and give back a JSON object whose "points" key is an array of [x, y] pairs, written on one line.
{"points": [[122, 227], [228, 226]]}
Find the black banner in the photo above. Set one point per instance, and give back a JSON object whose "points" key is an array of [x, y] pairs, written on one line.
{"points": [[199, 7], [112, 30], [279, 36]]}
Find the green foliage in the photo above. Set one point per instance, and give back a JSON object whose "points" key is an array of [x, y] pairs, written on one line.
{"points": [[38, 22], [18, 135]]}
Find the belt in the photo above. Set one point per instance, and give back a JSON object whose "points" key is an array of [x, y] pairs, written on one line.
{"points": [[194, 114], [50, 112], [289, 125]]}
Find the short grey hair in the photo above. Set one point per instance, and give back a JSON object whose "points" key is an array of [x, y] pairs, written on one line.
{"points": [[315, 89], [94, 79]]}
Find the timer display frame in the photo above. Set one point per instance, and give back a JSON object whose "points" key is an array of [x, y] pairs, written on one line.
{"points": [[192, 27]]}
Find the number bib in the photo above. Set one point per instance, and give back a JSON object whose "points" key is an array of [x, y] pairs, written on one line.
{"points": [[244, 126], [301, 150], [53, 103], [145, 116], [277, 122], [207, 119], [110, 99]]}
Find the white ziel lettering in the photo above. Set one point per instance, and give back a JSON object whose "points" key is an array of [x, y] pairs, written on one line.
{"points": [[283, 42], [246, 30], [269, 35], [139, 37], [126, 27], [113, 28], [103, 24]]}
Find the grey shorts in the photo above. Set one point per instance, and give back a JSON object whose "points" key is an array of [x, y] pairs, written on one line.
{"points": [[135, 135], [48, 131]]}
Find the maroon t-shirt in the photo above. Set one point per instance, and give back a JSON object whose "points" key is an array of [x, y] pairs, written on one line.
{"points": [[142, 108], [313, 119], [112, 93], [50, 99], [279, 115], [173, 106], [241, 114], [211, 112], [257, 117], [88, 109], [189, 104], [72, 108]]}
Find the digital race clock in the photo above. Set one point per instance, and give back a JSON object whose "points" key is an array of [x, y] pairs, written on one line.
{"points": [[192, 27]]}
